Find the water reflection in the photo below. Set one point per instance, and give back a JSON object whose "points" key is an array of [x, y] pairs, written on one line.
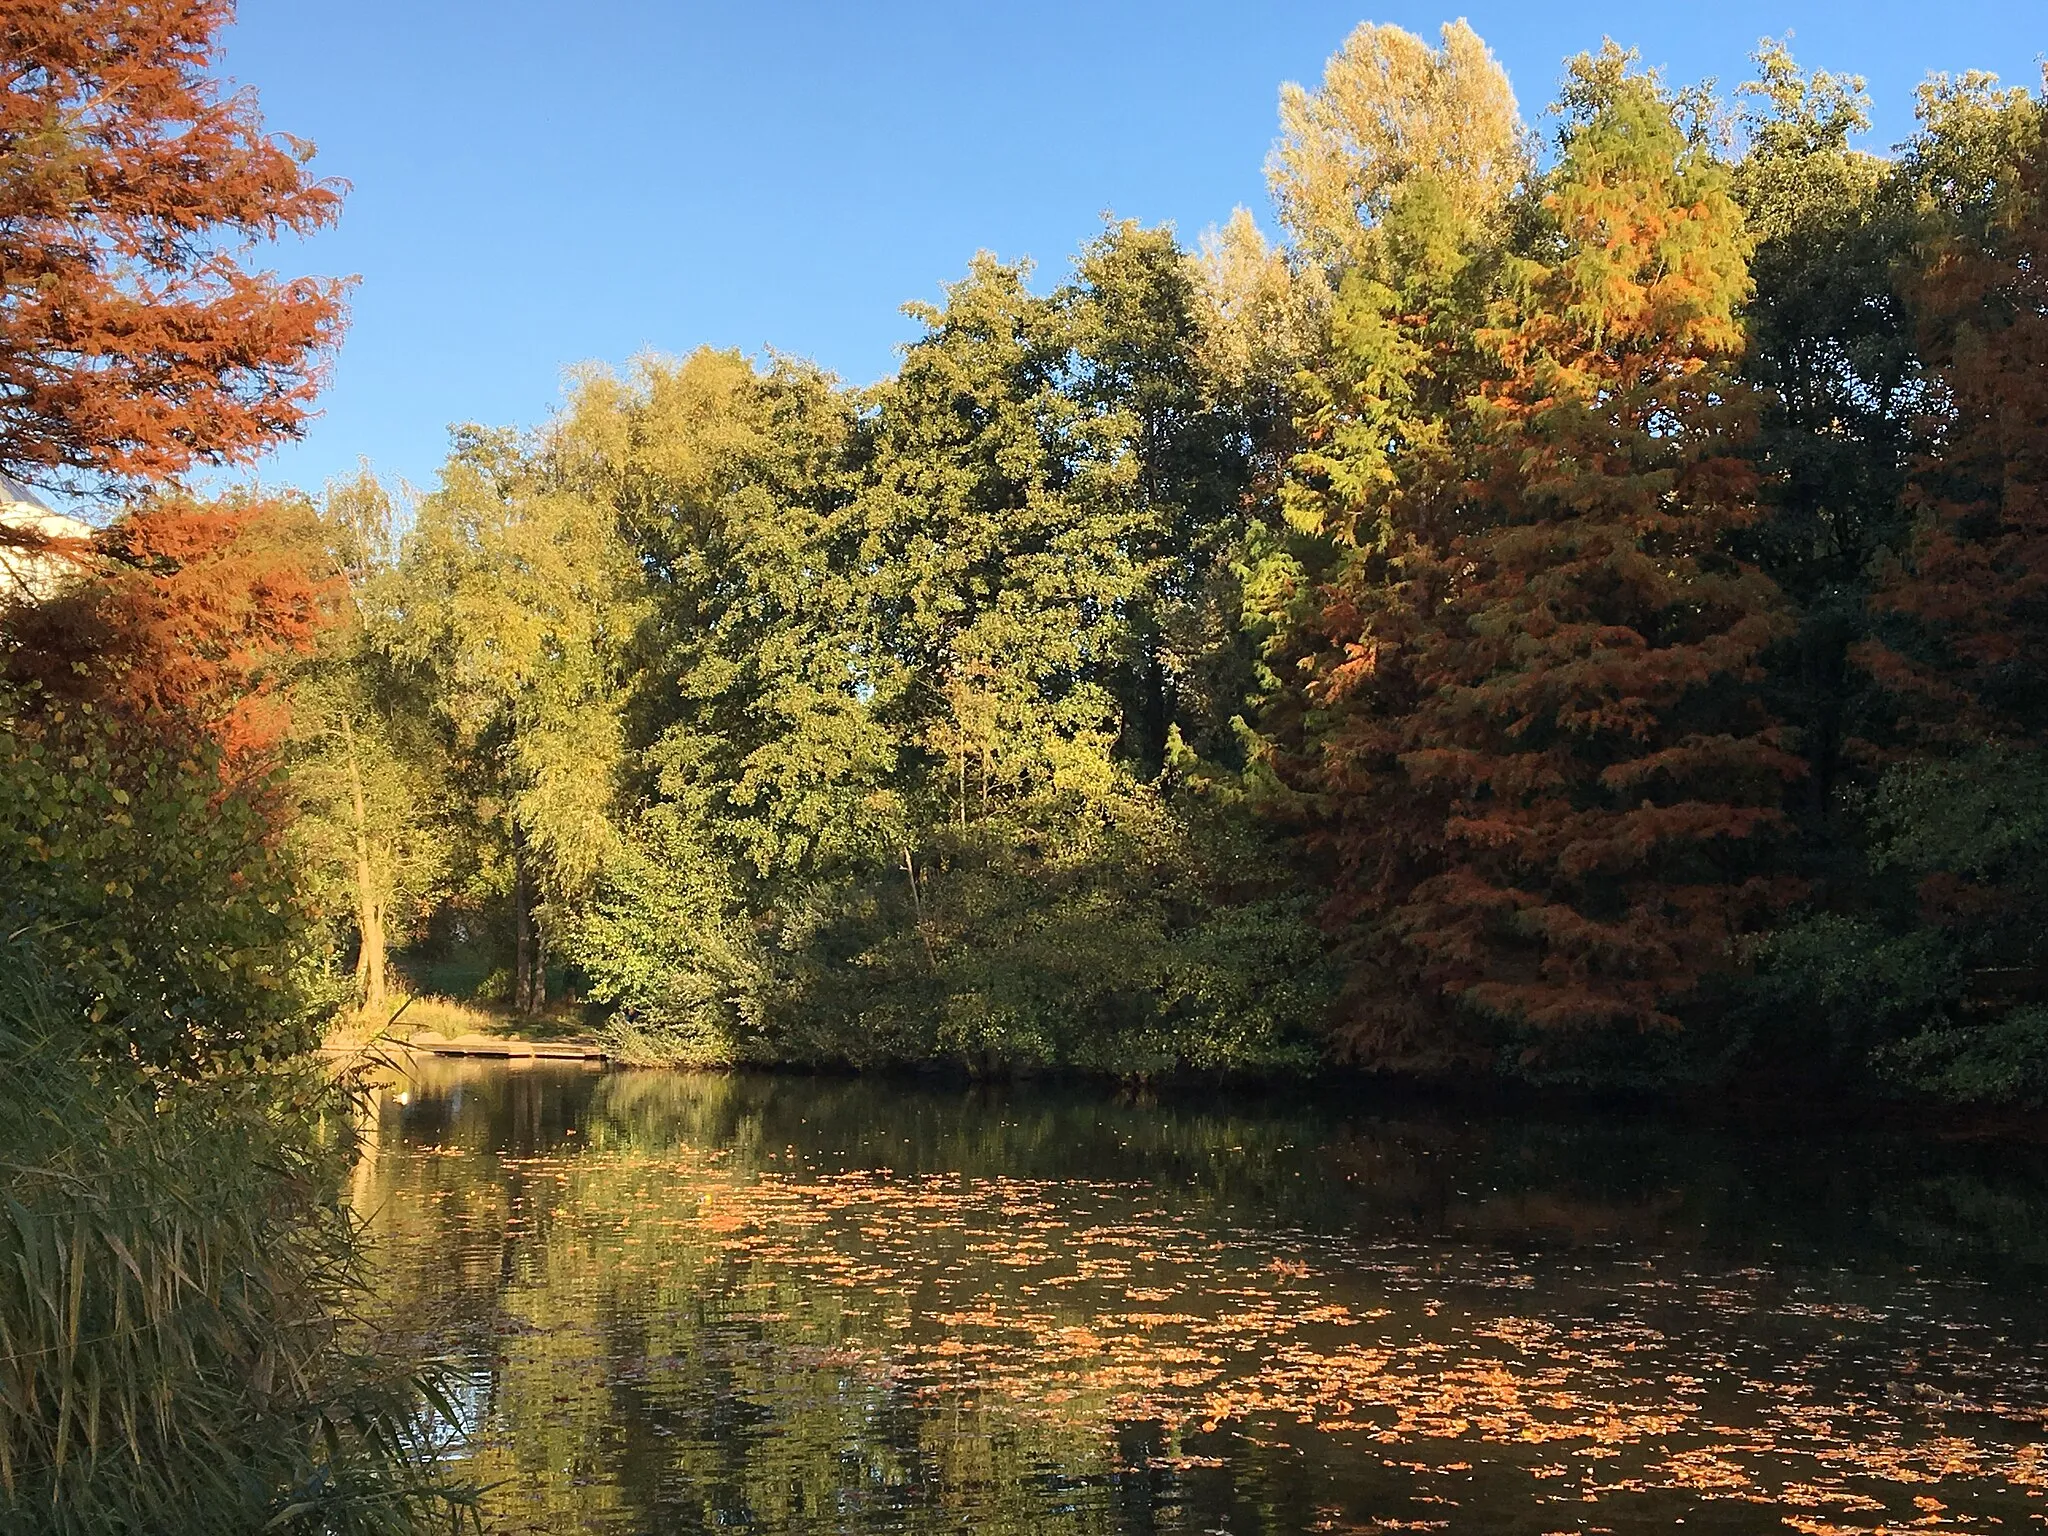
{"points": [[786, 1304]]}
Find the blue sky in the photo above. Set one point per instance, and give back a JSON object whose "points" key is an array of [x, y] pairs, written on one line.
{"points": [[537, 184]]}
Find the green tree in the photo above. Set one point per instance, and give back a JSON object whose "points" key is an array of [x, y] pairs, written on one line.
{"points": [[1002, 524], [1134, 318], [366, 764], [517, 602], [757, 760], [1843, 398], [923, 661], [1927, 964]]}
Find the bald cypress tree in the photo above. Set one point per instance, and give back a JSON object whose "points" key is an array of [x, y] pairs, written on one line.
{"points": [[1537, 756], [1974, 588]]}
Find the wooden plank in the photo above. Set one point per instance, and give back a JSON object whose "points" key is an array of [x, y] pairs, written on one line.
{"points": [[484, 1045]]}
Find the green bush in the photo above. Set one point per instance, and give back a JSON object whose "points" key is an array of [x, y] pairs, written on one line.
{"points": [[1127, 937], [1932, 980], [161, 893]]}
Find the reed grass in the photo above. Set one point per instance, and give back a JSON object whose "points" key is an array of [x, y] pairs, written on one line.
{"points": [[177, 1353]]}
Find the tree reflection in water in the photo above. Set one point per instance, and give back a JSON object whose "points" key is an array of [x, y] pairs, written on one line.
{"points": [[791, 1304]]}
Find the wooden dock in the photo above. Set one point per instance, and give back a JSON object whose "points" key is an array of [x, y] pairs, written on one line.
{"points": [[432, 1044]]}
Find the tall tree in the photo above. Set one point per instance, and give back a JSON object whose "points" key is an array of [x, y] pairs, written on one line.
{"points": [[1535, 736], [1134, 323], [730, 487], [1002, 528], [758, 766], [1843, 397], [1048, 490], [1975, 584], [366, 764], [1391, 110], [1931, 962], [515, 596], [1901, 443]]}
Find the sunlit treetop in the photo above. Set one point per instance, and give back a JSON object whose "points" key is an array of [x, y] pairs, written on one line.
{"points": [[1392, 109]]}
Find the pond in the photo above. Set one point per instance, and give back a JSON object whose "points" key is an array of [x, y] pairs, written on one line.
{"points": [[685, 1302]]}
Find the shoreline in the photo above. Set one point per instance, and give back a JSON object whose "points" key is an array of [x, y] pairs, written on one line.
{"points": [[1774, 1109]]}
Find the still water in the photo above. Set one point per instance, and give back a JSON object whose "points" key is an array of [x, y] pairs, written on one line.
{"points": [[695, 1303]]}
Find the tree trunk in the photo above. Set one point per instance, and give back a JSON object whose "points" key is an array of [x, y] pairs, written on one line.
{"points": [[1158, 709], [369, 904], [917, 906], [529, 957], [375, 946], [1154, 704], [537, 988], [522, 944]]}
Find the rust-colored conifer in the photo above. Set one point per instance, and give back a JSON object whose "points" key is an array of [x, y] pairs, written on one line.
{"points": [[135, 337], [138, 339], [1972, 661], [183, 622], [1543, 761]]}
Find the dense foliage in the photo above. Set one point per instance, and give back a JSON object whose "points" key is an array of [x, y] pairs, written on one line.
{"points": [[1573, 609], [870, 727], [1531, 719], [179, 1266], [139, 828], [1568, 609], [135, 338]]}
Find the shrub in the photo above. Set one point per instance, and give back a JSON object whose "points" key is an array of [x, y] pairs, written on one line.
{"points": [[159, 891]]}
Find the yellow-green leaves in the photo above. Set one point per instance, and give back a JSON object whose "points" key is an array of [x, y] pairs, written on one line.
{"points": [[1391, 109]]}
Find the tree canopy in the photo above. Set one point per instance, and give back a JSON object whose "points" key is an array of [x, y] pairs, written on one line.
{"points": [[1550, 610]]}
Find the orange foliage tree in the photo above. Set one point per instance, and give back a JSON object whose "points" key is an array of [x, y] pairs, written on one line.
{"points": [[1972, 658], [185, 623], [135, 339], [1536, 753]]}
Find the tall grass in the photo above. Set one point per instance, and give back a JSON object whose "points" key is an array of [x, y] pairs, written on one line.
{"points": [[175, 1274]]}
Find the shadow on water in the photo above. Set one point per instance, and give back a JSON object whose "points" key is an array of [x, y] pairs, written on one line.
{"points": [[774, 1303]]}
